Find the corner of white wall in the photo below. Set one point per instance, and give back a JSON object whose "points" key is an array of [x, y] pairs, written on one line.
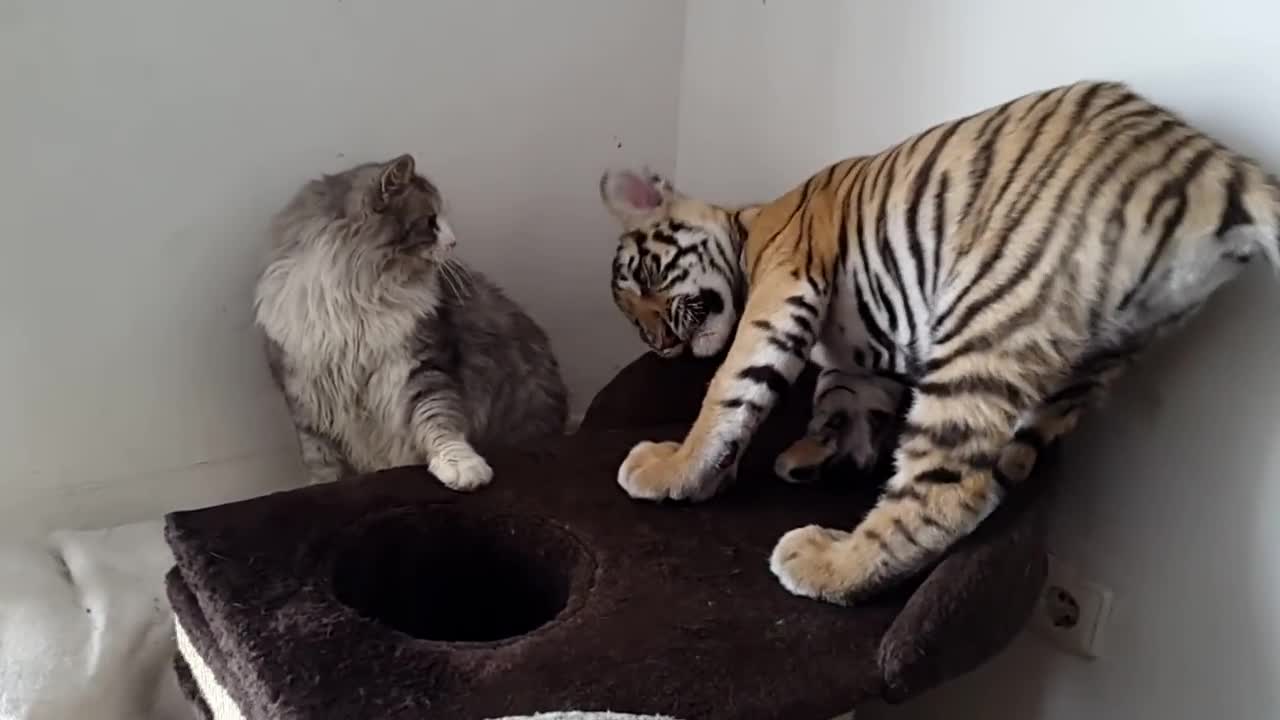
{"points": [[147, 143]]}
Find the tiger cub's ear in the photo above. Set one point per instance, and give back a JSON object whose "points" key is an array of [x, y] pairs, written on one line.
{"points": [[745, 216], [636, 197]]}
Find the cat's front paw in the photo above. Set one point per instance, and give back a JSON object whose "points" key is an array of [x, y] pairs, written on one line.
{"points": [[657, 471], [803, 461], [812, 562], [461, 470]]}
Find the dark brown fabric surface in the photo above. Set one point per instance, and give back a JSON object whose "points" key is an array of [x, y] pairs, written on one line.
{"points": [[673, 611], [385, 596], [191, 616], [651, 391], [187, 684], [972, 604]]}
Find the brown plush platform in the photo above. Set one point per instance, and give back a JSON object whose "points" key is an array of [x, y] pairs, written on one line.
{"points": [[392, 597]]}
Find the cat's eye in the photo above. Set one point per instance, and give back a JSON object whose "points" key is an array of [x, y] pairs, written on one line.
{"points": [[428, 224]]}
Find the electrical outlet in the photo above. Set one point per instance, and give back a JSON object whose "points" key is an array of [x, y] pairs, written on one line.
{"points": [[1072, 610]]}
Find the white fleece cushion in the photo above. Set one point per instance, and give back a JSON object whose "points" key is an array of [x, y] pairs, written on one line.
{"points": [[85, 627]]}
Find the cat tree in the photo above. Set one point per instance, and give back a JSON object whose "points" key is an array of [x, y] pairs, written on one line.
{"points": [[389, 596]]}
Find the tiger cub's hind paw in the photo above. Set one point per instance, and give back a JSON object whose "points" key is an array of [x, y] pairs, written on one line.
{"points": [[812, 562]]}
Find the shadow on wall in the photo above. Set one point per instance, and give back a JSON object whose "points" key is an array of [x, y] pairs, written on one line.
{"points": [[1173, 505]]}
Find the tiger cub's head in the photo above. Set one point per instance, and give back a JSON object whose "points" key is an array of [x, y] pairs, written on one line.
{"points": [[676, 273]]}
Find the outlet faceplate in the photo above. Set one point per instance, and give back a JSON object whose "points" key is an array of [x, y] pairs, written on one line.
{"points": [[1072, 610]]}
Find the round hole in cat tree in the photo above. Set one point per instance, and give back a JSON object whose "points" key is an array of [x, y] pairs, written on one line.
{"points": [[442, 575]]}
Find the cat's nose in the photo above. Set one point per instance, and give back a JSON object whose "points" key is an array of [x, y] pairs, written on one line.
{"points": [[444, 234]]}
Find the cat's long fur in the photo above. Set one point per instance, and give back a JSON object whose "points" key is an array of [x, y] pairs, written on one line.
{"points": [[389, 351]]}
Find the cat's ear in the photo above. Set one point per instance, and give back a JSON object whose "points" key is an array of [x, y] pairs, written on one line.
{"points": [[636, 197], [396, 177]]}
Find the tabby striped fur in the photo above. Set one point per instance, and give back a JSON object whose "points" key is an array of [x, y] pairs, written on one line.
{"points": [[1003, 269]]}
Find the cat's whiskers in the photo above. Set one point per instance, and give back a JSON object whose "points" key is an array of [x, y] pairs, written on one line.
{"points": [[447, 278], [459, 275]]}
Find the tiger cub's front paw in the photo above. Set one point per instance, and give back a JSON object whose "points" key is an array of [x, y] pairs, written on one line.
{"points": [[657, 471]]}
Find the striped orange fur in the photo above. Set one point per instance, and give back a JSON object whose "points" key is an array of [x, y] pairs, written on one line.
{"points": [[1002, 269]]}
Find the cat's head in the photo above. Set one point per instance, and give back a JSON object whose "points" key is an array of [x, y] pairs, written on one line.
{"points": [[676, 272], [390, 212], [408, 207]]}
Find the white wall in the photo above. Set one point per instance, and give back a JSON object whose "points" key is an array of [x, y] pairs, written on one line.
{"points": [[144, 144], [1173, 491]]}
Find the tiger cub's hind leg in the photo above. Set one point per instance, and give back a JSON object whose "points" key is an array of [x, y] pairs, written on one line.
{"points": [[1059, 413], [965, 443], [944, 486], [853, 414]]}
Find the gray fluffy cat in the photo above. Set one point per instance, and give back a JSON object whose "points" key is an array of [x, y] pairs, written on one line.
{"points": [[389, 351]]}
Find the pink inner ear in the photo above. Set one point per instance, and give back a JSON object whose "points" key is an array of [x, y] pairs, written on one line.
{"points": [[638, 192]]}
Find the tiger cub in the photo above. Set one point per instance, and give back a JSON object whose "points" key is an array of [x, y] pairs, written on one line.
{"points": [[1002, 268]]}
